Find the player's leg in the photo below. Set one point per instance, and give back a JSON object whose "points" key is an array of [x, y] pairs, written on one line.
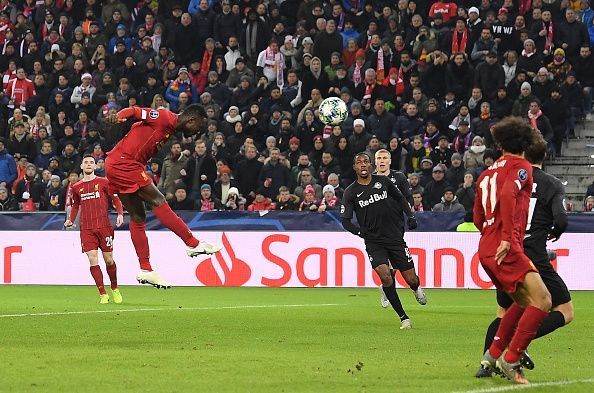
{"points": [[169, 219], [534, 301], [111, 268], [97, 275], [504, 301], [389, 287], [135, 207], [562, 311], [402, 260]]}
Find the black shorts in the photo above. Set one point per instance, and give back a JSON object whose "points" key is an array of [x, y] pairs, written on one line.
{"points": [[398, 256], [553, 282]]}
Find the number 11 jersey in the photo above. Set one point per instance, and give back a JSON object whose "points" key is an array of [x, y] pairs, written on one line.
{"points": [[501, 205]]}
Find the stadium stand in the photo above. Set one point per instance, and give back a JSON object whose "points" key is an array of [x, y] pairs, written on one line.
{"points": [[425, 80]]}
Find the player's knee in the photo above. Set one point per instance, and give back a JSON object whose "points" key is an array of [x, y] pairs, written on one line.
{"points": [[158, 200], [412, 280], [138, 217], [108, 260], [387, 279]]}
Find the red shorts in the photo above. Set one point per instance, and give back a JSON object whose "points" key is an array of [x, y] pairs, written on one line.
{"points": [[97, 239], [125, 176], [510, 272]]}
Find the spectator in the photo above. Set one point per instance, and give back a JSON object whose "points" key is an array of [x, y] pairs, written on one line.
{"points": [[473, 157], [29, 191], [381, 123], [310, 202], [572, 35], [8, 203], [459, 76], [559, 67], [21, 142], [588, 203], [85, 86], [435, 188], [468, 224], [489, 75], [261, 203], [70, 159], [234, 200], [200, 169], [55, 195], [273, 175], [286, 201], [455, 173], [19, 90], [8, 168], [224, 184], [442, 154], [328, 166], [182, 84], [207, 202], [180, 200], [171, 169], [465, 193], [583, 67], [416, 154], [417, 202], [426, 174], [330, 201], [306, 179], [573, 93], [247, 173], [464, 138], [541, 122], [557, 110], [448, 203]]}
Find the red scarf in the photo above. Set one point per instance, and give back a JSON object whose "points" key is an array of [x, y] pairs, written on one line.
{"points": [[380, 73], [462, 46], [533, 118], [525, 6], [549, 40], [204, 68]]}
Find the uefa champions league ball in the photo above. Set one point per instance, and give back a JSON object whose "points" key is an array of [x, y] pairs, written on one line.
{"points": [[333, 111]]}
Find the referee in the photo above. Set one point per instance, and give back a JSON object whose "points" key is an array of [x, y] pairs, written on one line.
{"points": [[547, 220], [370, 197]]}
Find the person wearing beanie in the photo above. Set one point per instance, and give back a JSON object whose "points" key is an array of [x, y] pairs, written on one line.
{"points": [[448, 203], [442, 154], [234, 200], [261, 203], [522, 103], [180, 200], [426, 171], [436, 187], [207, 201], [489, 75], [181, 84], [310, 201], [224, 184], [293, 152], [455, 173], [330, 201], [559, 67], [473, 157], [55, 195]]}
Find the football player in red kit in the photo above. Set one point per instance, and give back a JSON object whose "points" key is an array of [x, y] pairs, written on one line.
{"points": [[91, 196], [501, 213], [125, 169]]}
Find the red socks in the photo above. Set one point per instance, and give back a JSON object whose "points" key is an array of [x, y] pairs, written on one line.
{"points": [[506, 330], [175, 224], [112, 273], [527, 327], [98, 277], [140, 241]]}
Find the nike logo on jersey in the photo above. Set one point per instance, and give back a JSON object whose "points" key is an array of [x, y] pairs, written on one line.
{"points": [[359, 194]]}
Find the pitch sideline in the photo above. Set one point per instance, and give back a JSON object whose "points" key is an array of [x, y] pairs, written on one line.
{"points": [[529, 386], [124, 310]]}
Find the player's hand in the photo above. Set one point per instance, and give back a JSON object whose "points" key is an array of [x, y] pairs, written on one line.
{"points": [[114, 119], [119, 220], [502, 251], [554, 235], [412, 222], [68, 224]]}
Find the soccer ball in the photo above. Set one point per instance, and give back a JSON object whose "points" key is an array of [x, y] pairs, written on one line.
{"points": [[333, 111]]}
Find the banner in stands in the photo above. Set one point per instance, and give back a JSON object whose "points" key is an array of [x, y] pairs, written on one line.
{"points": [[286, 259]]}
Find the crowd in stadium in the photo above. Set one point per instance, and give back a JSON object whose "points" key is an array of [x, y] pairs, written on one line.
{"points": [[423, 79]]}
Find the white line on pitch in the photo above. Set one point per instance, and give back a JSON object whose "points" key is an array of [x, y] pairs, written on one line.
{"points": [[529, 386], [123, 310]]}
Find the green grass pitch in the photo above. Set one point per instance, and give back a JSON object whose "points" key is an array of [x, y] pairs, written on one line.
{"points": [[267, 340]]}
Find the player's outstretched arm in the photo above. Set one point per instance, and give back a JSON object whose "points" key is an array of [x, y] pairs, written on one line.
{"points": [[117, 203], [131, 113]]}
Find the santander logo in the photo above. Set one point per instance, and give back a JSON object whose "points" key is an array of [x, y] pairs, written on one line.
{"points": [[232, 273]]}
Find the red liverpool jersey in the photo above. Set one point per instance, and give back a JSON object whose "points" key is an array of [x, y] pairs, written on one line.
{"points": [[501, 204], [146, 136], [92, 197]]}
